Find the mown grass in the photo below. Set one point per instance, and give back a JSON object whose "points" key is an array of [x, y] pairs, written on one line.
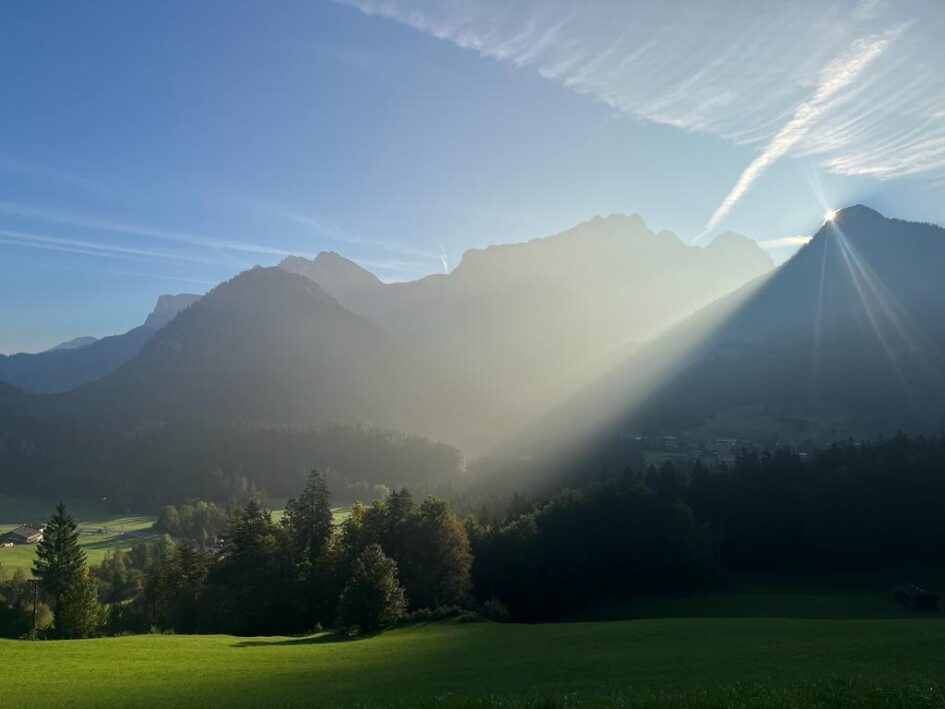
{"points": [[90, 516], [658, 663]]}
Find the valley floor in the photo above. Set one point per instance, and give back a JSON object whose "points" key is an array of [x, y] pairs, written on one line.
{"points": [[677, 662]]}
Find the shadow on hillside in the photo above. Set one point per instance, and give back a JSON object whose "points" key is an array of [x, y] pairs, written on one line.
{"points": [[321, 639]]}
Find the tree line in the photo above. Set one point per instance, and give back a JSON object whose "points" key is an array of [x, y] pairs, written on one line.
{"points": [[853, 506], [669, 528], [384, 561]]}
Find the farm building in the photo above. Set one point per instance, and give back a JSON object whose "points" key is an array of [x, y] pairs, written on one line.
{"points": [[915, 598], [22, 535]]}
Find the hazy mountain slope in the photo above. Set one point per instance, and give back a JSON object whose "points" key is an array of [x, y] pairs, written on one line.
{"points": [[265, 346], [64, 368], [854, 320], [526, 324], [263, 362], [854, 323]]}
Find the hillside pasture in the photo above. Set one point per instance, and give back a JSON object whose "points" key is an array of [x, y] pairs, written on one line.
{"points": [[640, 663]]}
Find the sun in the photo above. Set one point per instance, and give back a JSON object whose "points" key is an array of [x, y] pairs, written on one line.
{"points": [[830, 215]]}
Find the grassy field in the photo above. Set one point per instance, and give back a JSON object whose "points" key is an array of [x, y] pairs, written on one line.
{"points": [[782, 595], [101, 530], [659, 663], [764, 641]]}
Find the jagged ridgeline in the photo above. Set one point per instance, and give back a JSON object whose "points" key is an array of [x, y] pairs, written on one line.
{"points": [[457, 358]]}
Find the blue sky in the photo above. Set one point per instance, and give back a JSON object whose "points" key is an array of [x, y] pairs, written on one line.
{"points": [[148, 148]]}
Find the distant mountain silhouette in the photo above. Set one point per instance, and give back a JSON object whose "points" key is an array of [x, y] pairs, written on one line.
{"points": [[344, 279], [522, 324], [603, 271], [167, 308], [73, 344], [86, 359]]}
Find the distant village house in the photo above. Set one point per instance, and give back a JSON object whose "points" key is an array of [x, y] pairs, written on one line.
{"points": [[22, 535]]}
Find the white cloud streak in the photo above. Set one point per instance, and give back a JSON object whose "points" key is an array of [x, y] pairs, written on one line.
{"points": [[96, 223], [837, 76], [821, 80], [90, 248]]}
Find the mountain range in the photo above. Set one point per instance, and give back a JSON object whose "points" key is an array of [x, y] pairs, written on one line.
{"points": [[520, 326], [605, 332]]}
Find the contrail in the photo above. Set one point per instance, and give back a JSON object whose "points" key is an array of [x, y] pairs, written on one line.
{"points": [[838, 74], [446, 267]]}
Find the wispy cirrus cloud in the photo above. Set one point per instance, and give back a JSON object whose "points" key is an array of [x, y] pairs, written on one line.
{"points": [[104, 224], [838, 75], [90, 248], [826, 80]]}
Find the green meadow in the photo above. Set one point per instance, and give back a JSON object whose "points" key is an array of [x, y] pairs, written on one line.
{"points": [[674, 662], [777, 640], [101, 530]]}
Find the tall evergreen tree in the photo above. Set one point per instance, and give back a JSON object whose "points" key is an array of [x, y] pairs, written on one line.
{"points": [[255, 568], [192, 572], [59, 559], [308, 519], [308, 523]]}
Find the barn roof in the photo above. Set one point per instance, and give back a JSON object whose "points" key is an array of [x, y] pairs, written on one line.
{"points": [[24, 532]]}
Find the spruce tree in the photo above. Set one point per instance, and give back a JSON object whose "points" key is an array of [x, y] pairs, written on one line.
{"points": [[308, 519], [59, 559]]}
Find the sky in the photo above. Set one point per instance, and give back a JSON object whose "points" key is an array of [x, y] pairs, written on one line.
{"points": [[150, 148]]}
